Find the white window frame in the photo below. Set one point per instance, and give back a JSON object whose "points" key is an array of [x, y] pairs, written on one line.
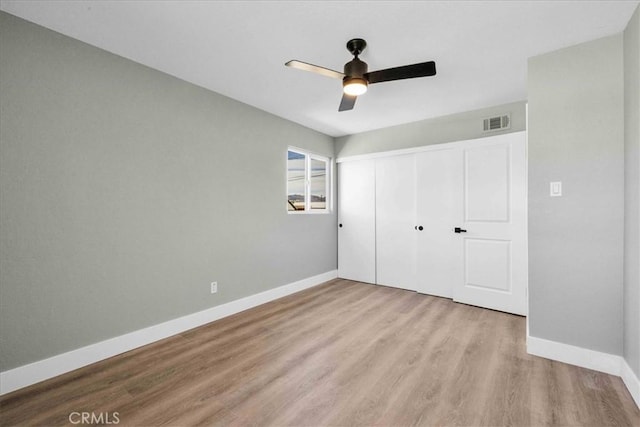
{"points": [[308, 157]]}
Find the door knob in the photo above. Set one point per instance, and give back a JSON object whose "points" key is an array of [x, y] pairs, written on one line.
{"points": [[340, 225], [420, 228], [459, 230]]}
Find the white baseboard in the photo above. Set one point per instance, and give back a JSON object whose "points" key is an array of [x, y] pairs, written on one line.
{"points": [[590, 359], [41, 370], [631, 380], [585, 358]]}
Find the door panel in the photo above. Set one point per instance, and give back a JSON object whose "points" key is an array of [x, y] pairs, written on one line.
{"points": [[395, 222], [493, 248], [439, 205], [486, 181], [356, 215], [487, 264]]}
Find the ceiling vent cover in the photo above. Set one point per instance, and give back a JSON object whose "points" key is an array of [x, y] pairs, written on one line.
{"points": [[496, 123]]}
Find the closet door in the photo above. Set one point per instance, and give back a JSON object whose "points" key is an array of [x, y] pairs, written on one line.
{"points": [[439, 204], [396, 228], [492, 234], [356, 221]]}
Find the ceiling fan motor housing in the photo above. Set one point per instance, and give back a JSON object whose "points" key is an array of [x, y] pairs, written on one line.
{"points": [[355, 68]]}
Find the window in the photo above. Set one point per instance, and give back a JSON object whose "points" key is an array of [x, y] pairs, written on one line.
{"points": [[308, 182]]}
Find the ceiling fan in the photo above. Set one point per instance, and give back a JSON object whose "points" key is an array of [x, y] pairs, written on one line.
{"points": [[356, 77]]}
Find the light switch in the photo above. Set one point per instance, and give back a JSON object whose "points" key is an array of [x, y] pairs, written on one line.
{"points": [[555, 189]]}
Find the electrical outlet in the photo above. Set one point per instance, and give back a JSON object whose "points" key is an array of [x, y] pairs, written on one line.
{"points": [[214, 287]]}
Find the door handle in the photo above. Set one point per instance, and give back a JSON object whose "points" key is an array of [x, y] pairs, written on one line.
{"points": [[418, 227], [340, 225], [459, 230]]}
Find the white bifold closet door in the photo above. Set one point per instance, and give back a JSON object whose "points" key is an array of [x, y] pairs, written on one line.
{"points": [[396, 227], [438, 193], [356, 221]]}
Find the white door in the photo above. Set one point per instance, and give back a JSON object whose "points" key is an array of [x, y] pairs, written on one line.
{"points": [[439, 197], [395, 222], [356, 221], [492, 233]]}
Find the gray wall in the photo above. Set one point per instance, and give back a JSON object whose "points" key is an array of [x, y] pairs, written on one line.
{"points": [[576, 123], [125, 192], [455, 127], [632, 193]]}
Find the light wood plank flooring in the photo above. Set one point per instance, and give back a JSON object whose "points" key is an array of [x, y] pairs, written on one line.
{"points": [[342, 353]]}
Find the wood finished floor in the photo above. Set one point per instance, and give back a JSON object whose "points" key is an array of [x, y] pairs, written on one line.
{"points": [[342, 353]]}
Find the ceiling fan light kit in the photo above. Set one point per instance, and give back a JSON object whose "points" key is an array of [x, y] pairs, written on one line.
{"points": [[356, 78], [354, 86]]}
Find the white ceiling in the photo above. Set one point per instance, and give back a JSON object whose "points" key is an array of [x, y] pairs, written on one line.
{"points": [[238, 48]]}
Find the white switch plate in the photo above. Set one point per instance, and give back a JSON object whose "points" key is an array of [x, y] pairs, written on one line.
{"points": [[214, 287], [555, 189]]}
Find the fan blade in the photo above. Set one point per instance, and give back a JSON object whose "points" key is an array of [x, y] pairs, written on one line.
{"points": [[424, 69], [304, 66], [347, 102]]}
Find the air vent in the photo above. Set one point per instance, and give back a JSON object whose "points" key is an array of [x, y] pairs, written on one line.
{"points": [[496, 123]]}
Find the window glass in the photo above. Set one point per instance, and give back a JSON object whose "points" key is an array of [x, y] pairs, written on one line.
{"points": [[318, 184], [296, 181]]}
